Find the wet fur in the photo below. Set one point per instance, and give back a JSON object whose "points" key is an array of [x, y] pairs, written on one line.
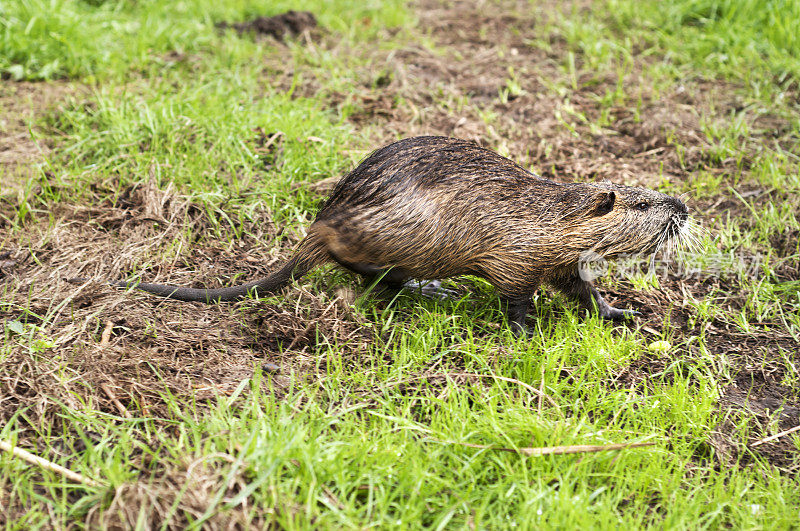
{"points": [[436, 207]]}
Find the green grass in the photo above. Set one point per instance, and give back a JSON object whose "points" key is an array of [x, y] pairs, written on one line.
{"points": [[374, 442], [740, 39], [750, 41], [46, 39]]}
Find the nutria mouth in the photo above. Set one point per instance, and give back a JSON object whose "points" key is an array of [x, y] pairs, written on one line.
{"points": [[433, 207]]}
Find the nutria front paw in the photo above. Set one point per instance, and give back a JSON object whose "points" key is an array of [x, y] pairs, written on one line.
{"points": [[615, 314]]}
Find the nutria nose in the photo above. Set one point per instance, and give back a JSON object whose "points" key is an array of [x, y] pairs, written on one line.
{"points": [[679, 207]]}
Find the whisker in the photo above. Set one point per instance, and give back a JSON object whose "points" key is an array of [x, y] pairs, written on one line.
{"points": [[659, 243]]}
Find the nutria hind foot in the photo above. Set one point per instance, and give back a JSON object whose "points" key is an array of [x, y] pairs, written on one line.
{"points": [[520, 330], [431, 289], [397, 278], [615, 314]]}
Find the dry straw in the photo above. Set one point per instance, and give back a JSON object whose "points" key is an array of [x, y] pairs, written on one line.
{"points": [[48, 465]]}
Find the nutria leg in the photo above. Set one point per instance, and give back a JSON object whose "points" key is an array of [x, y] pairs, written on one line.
{"points": [[607, 311], [394, 277], [340, 247], [517, 310], [589, 298], [397, 278]]}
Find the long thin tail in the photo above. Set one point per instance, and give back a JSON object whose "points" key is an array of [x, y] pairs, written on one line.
{"points": [[308, 255], [268, 284]]}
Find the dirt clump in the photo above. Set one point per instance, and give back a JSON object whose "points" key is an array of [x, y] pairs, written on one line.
{"points": [[764, 396], [281, 26], [786, 243]]}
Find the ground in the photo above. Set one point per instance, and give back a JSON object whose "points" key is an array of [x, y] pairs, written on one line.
{"points": [[197, 153]]}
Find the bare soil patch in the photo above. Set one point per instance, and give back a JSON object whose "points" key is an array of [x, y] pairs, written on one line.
{"points": [[544, 117], [759, 362], [20, 149]]}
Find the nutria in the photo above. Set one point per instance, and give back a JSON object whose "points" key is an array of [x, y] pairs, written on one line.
{"points": [[434, 207]]}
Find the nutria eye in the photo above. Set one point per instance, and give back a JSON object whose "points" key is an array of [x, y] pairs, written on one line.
{"points": [[641, 206]]}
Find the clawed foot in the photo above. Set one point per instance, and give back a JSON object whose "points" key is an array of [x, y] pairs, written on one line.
{"points": [[430, 288], [615, 314]]}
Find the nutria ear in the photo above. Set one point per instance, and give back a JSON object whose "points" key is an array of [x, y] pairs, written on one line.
{"points": [[604, 203]]}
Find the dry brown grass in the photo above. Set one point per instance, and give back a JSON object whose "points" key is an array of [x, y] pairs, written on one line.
{"points": [[153, 346]]}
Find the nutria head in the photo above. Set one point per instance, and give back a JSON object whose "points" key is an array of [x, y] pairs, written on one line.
{"points": [[620, 219]]}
